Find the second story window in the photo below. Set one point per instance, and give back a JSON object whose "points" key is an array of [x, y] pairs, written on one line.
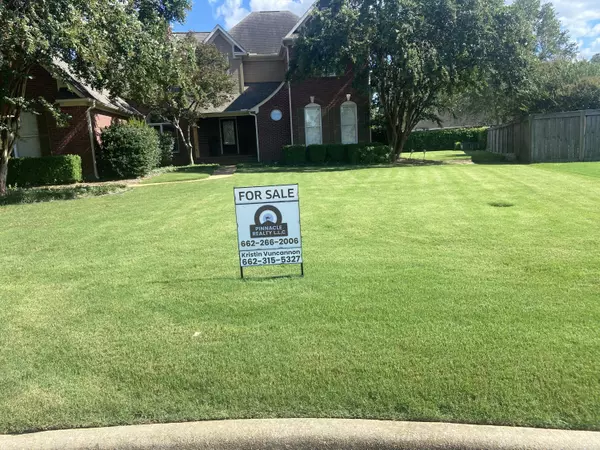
{"points": [[312, 124], [349, 123]]}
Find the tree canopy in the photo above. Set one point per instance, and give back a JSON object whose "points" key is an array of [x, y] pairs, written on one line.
{"points": [[189, 77], [415, 53], [495, 101], [109, 44]]}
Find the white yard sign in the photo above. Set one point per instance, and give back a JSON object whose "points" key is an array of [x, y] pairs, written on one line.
{"points": [[268, 225]]}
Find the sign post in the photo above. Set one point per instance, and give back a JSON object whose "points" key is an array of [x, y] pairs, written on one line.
{"points": [[268, 226]]}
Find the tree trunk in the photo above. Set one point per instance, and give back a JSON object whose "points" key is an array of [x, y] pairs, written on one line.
{"points": [[4, 157], [186, 140], [189, 145]]}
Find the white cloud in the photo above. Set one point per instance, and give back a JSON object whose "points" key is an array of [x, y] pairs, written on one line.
{"points": [[232, 11], [591, 49], [298, 7], [580, 17]]}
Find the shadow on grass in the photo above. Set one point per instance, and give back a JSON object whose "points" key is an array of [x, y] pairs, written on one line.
{"points": [[501, 204], [16, 196], [262, 168], [206, 168], [485, 157]]}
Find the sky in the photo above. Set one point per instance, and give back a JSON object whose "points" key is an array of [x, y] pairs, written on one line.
{"points": [[580, 17]]}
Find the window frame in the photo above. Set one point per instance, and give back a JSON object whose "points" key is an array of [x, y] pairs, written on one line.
{"points": [[317, 107], [161, 124], [343, 106]]}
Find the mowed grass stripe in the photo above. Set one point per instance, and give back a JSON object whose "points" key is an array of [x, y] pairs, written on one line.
{"points": [[421, 301]]}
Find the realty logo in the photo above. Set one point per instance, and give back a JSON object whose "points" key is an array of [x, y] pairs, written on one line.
{"points": [[268, 223]]}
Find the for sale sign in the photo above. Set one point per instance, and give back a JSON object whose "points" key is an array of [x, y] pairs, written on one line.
{"points": [[268, 225]]}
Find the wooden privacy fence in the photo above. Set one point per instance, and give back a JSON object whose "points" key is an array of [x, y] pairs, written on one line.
{"points": [[559, 137]]}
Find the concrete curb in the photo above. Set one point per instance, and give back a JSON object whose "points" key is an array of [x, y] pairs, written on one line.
{"points": [[305, 434]]}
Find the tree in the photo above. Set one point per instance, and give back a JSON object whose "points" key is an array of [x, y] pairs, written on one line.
{"points": [[417, 54], [551, 42], [596, 58], [497, 102], [109, 44], [564, 86], [191, 76]]}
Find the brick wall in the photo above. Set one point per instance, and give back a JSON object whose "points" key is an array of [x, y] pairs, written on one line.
{"points": [[74, 138], [329, 93], [273, 135]]}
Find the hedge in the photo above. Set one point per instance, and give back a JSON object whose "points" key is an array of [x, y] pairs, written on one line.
{"points": [[294, 154], [446, 139], [44, 171], [373, 153], [316, 153], [336, 153], [129, 150]]}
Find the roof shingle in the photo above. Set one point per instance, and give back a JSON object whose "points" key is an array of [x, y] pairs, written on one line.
{"points": [[261, 32]]}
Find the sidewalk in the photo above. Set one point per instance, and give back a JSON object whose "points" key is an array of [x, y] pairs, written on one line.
{"points": [[305, 434]]}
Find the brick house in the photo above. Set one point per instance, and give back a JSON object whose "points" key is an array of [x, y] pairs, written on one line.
{"points": [[90, 112], [265, 112]]}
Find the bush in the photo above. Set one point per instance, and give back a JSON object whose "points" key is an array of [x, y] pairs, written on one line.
{"points": [[44, 171], [445, 139], [129, 150], [353, 153], [374, 154], [294, 154], [43, 194], [166, 142], [316, 153], [336, 153]]}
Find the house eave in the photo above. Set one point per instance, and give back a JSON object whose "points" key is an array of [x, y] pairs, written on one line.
{"points": [[88, 102], [243, 112]]}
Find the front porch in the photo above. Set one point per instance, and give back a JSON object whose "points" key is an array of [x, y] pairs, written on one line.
{"points": [[228, 139]]}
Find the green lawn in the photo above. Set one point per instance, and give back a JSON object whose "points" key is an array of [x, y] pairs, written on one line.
{"points": [[422, 300], [477, 156], [185, 173]]}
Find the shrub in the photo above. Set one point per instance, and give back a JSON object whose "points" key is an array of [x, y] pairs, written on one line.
{"points": [[294, 154], [43, 194], [316, 153], [166, 142], [44, 171], [445, 139], [336, 153], [374, 154], [129, 150], [353, 153]]}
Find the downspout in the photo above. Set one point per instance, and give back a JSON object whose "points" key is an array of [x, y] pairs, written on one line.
{"points": [[257, 144], [92, 140], [290, 98]]}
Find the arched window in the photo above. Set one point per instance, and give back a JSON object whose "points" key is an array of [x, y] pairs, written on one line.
{"points": [[312, 124], [349, 121]]}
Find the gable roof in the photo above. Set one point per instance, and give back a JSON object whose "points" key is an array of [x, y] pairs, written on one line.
{"points": [[206, 37], [103, 97], [293, 32], [262, 32]]}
